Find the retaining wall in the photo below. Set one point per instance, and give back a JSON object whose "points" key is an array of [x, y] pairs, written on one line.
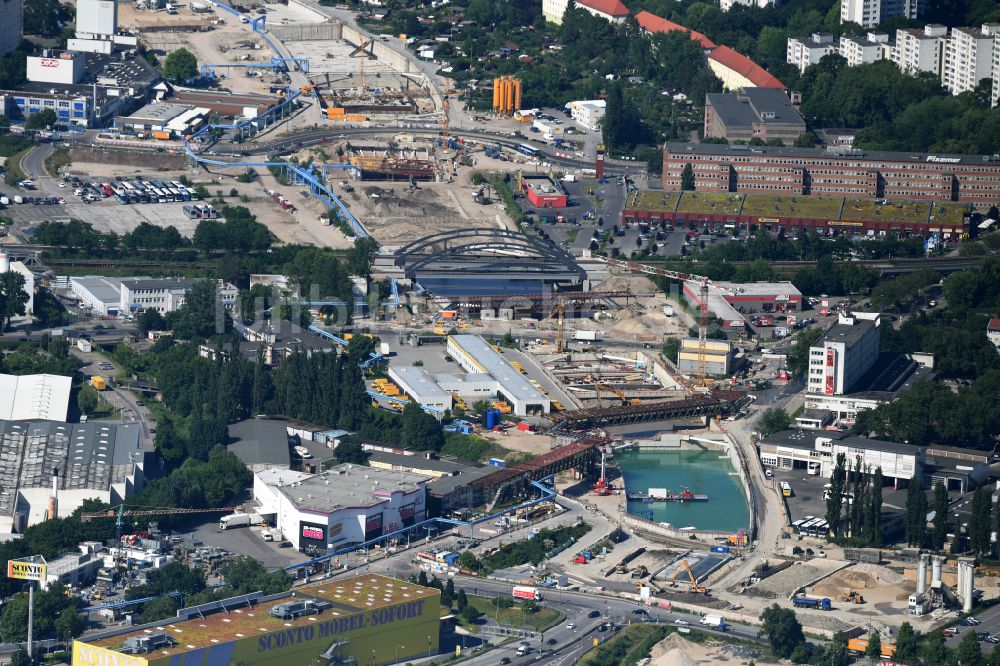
{"points": [[307, 31]]}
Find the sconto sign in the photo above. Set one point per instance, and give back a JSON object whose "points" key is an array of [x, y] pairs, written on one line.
{"points": [[25, 570]]}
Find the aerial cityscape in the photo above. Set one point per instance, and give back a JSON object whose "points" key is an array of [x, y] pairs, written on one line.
{"points": [[545, 332]]}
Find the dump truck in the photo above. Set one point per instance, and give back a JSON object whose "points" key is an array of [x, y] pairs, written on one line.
{"points": [[716, 622], [811, 602]]}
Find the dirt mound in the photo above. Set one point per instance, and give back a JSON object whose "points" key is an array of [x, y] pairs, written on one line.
{"points": [[675, 651]]}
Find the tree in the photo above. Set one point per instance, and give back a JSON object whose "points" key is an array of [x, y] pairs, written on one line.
{"points": [[467, 560], [873, 533], [874, 648], [13, 297], [351, 451], [180, 65], [935, 651], [159, 609], [687, 178], [463, 600], [835, 651], [968, 652], [835, 496], [981, 522], [671, 347], [798, 356], [906, 644], [421, 431], [784, 631], [70, 624], [86, 400], [916, 514], [43, 17], [151, 320], [774, 420], [41, 119], [940, 527], [246, 574]]}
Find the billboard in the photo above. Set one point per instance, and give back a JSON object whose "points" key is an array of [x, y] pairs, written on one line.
{"points": [[312, 533], [407, 514], [373, 526], [85, 654], [28, 569]]}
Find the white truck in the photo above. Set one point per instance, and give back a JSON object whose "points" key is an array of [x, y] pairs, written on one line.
{"points": [[588, 336], [569, 178], [716, 622], [240, 520], [526, 592]]}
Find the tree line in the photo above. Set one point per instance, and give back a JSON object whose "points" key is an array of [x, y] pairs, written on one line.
{"points": [[854, 503]]}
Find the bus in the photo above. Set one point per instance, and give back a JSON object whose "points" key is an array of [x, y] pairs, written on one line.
{"points": [[786, 490], [806, 529], [525, 149], [193, 212], [797, 525], [821, 529]]}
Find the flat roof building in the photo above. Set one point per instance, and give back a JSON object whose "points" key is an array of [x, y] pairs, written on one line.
{"points": [[588, 113], [920, 50], [845, 354], [260, 443], [416, 464], [476, 355], [542, 192], [421, 386], [347, 504], [718, 357], [34, 397], [761, 113], [102, 295], [153, 117], [805, 51], [845, 173], [100, 461]]}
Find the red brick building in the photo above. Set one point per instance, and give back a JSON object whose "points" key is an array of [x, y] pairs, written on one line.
{"points": [[861, 174], [542, 192]]}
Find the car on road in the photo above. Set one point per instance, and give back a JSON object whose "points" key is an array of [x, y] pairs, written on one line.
{"points": [[551, 641], [639, 611], [950, 632], [141, 403], [505, 660], [594, 613], [994, 639], [681, 623], [571, 626]]}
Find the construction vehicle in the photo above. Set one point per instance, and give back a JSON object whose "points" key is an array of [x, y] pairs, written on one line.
{"points": [[556, 406], [502, 406], [640, 571], [439, 330], [598, 387], [686, 568], [852, 597], [812, 602], [517, 366]]}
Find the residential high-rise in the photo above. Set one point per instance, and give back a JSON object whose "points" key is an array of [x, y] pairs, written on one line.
{"points": [[864, 50], [995, 97], [918, 51], [11, 24], [802, 51], [869, 13], [968, 57]]}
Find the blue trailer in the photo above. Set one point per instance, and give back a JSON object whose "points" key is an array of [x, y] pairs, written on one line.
{"points": [[809, 602]]}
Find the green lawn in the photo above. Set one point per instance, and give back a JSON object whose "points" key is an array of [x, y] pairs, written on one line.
{"points": [[792, 206], [656, 201], [710, 203], [540, 620]]}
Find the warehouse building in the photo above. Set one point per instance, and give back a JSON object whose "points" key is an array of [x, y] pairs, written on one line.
{"points": [[753, 113], [367, 619], [164, 118], [416, 464], [34, 397], [729, 301], [588, 113], [261, 444], [165, 294], [846, 173], [420, 386], [718, 357], [51, 467], [476, 355], [101, 295], [345, 505]]}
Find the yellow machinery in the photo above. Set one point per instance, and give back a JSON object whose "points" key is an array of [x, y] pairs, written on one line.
{"points": [[852, 597], [685, 567], [98, 382], [559, 312], [598, 387]]}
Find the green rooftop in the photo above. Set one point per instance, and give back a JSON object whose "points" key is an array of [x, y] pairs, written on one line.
{"points": [[710, 204], [910, 212], [767, 205], [656, 200]]}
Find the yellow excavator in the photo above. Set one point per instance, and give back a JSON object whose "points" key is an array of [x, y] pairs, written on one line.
{"points": [[685, 567]]}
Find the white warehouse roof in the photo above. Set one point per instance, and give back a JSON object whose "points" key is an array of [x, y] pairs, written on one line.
{"points": [[34, 397]]}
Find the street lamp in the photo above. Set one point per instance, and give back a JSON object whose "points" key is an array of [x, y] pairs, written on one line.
{"points": [[397, 652], [428, 647]]}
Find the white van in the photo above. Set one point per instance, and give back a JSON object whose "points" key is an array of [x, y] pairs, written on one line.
{"points": [[768, 474], [303, 452]]}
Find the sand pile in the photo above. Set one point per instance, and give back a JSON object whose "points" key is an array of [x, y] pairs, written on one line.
{"points": [[676, 651], [883, 575], [634, 283]]}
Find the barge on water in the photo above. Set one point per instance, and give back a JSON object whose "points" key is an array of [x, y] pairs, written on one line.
{"points": [[664, 495]]}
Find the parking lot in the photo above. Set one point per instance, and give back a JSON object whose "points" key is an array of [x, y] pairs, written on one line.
{"points": [[105, 216]]}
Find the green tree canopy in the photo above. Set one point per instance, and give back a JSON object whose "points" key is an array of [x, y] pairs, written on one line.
{"points": [[773, 420], [180, 65], [41, 119], [783, 629]]}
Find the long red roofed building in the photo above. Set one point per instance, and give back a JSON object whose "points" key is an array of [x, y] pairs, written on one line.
{"points": [[738, 71], [651, 23]]}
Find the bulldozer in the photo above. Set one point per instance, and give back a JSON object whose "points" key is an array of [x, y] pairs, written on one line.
{"points": [[640, 571], [852, 597]]}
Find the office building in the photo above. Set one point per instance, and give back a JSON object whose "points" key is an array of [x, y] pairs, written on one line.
{"points": [[588, 113], [968, 57], [761, 113], [11, 23], [844, 354], [864, 50], [869, 13], [718, 357], [862, 174], [805, 51], [165, 294], [609, 10], [920, 50], [51, 467], [345, 505]]}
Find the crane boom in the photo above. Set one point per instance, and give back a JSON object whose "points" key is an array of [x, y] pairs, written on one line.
{"points": [[120, 512]]}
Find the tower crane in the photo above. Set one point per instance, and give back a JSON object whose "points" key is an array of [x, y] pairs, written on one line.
{"points": [[364, 52], [704, 286], [559, 312]]}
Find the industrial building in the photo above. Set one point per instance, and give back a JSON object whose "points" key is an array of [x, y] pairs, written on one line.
{"points": [[753, 113], [6, 265], [367, 619], [729, 301], [417, 463], [844, 355], [421, 386], [34, 397], [51, 467], [261, 444], [165, 294], [164, 120], [718, 357], [101, 295], [274, 340], [809, 171], [542, 191], [476, 355], [588, 113], [243, 105], [347, 504]]}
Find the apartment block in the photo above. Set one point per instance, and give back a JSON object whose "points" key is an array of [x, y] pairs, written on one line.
{"points": [[995, 97], [805, 51], [864, 50], [968, 57], [918, 51]]}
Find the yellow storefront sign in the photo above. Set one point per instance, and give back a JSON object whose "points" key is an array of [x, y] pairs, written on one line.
{"points": [[25, 570], [85, 654]]}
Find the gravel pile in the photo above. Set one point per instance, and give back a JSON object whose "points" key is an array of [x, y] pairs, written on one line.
{"points": [[789, 580]]}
